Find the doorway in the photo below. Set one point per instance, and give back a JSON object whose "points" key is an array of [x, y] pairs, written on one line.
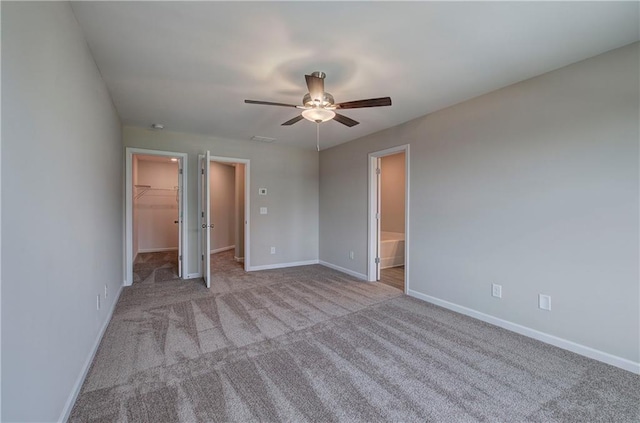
{"points": [[389, 216], [226, 185], [224, 205], [154, 228]]}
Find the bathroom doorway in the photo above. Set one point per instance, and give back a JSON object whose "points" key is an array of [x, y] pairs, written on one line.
{"points": [[388, 217]]}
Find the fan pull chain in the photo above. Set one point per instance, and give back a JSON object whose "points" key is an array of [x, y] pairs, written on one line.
{"points": [[318, 136]]}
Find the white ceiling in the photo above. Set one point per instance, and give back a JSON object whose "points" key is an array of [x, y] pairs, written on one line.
{"points": [[190, 65]]}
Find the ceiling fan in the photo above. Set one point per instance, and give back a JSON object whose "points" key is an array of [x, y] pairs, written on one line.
{"points": [[319, 106]]}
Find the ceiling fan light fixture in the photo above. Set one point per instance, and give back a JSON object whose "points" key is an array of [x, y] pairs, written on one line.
{"points": [[318, 115]]}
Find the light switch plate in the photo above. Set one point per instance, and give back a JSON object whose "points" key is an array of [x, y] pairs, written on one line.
{"points": [[262, 191]]}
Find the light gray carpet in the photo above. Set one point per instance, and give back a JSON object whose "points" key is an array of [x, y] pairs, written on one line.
{"points": [[311, 344]]}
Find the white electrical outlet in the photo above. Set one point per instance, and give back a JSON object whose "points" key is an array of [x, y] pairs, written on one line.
{"points": [[97, 302], [544, 302], [273, 250], [352, 255], [496, 290], [263, 210]]}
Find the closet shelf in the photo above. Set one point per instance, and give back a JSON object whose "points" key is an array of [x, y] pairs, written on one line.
{"points": [[155, 192]]}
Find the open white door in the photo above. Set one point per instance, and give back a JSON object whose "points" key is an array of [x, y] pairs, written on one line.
{"points": [[206, 218], [180, 216], [378, 216]]}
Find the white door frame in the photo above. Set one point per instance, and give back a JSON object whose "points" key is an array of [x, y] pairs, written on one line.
{"points": [[128, 201], [372, 222], [247, 208]]}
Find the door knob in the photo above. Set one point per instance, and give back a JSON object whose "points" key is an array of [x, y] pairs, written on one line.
{"points": [[204, 226], [175, 221]]}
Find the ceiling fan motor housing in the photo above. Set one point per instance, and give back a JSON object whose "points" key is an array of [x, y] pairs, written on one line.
{"points": [[327, 101], [319, 74]]}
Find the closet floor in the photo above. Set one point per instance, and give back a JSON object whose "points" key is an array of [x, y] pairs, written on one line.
{"points": [[155, 267]]}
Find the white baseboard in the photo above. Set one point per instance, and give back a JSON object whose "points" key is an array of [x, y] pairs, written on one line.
{"points": [[66, 410], [156, 250], [193, 275], [343, 270], [219, 250], [239, 259], [282, 265], [589, 352]]}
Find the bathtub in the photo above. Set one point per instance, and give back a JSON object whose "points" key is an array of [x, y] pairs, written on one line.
{"points": [[391, 249]]}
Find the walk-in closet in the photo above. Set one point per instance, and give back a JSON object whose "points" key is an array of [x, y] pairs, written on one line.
{"points": [[156, 201]]}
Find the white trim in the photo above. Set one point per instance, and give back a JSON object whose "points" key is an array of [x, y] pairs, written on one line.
{"points": [[282, 265], [194, 275], [565, 344], [371, 218], [68, 406], [361, 276], [128, 201], [219, 250], [156, 250]]}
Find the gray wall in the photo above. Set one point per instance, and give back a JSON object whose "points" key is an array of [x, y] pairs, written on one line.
{"points": [[534, 187], [289, 174], [62, 207]]}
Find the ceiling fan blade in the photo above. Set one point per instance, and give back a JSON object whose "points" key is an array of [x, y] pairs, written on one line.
{"points": [[292, 121], [345, 120], [372, 102], [316, 87], [269, 103]]}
